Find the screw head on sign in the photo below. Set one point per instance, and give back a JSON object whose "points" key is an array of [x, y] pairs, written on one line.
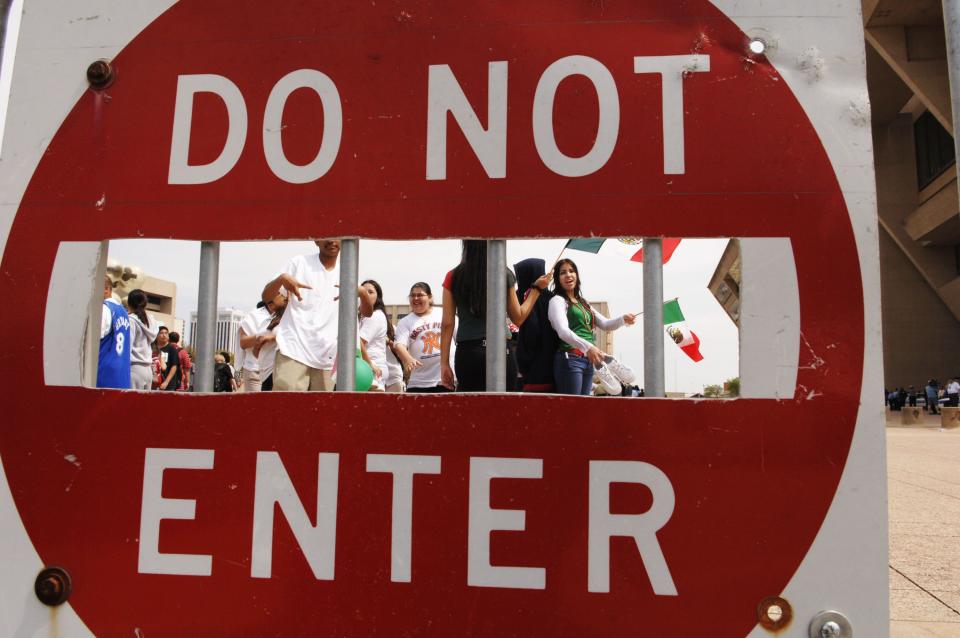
{"points": [[830, 629], [100, 74], [757, 46], [830, 624], [53, 586], [774, 613]]}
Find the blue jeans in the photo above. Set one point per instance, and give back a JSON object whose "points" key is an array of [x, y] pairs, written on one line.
{"points": [[572, 374]]}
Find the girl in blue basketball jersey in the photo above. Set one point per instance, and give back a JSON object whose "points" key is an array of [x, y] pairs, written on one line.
{"points": [[113, 366]]}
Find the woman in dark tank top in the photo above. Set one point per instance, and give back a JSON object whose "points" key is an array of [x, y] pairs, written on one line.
{"points": [[464, 298]]}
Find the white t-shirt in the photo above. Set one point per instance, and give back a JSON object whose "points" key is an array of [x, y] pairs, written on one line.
{"points": [[953, 388], [421, 337], [394, 373], [373, 330], [268, 355], [255, 323], [308, 331]]}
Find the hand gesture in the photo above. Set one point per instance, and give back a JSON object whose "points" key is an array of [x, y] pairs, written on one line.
{"points": [[262, 340], [542, 282], [411, 364], [292, 286], [376, 370], [446, 375], [595, 355], [629, 319]]}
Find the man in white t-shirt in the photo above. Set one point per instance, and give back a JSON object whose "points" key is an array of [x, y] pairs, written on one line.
{"points": [[307, 334], [252, 326], [953, 393]]}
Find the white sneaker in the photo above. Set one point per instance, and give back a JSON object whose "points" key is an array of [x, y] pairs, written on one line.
{"points": [[620, 370], [608, 381]]}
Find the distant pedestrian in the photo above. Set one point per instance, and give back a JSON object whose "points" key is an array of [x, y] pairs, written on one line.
{"points": [[143, 332], [223, 375], [252, 326], [169, 361], [893, 400], [113, 365], [953, 393], [183, 361], [932, 391]]}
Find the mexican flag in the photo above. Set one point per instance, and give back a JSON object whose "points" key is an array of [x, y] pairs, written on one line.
{"points": [[676, 327], [630, 248]]}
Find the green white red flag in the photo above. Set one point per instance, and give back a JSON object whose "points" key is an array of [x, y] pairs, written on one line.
{"points": [[676, 328], [630, 248]]}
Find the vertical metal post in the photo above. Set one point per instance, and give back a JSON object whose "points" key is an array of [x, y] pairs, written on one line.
{"points": [[951, 25], [206, 340], [653, 317], [496, 350], [347, 319]]}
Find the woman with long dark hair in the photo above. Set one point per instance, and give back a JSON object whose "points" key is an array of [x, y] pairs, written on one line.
{"points": [[574, 320], [465, 300], [374, 332], [418, 342], [143, 331]]}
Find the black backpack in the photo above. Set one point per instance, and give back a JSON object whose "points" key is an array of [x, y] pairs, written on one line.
{"points": [[221, 378]]}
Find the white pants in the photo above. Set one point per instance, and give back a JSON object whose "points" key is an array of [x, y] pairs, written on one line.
{"points": [[251, 381], [141, 376]]}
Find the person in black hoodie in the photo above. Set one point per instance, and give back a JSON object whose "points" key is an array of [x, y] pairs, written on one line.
{"points": [[537, 341]]}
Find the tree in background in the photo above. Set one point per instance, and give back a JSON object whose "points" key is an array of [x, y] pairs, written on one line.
{"points": [[731, 387], [712, 391]]}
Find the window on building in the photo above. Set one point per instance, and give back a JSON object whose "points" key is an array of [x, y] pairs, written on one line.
{"points": [[934, 146]]}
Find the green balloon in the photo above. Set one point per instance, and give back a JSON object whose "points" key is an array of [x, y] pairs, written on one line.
{"points": [[364, 376]]}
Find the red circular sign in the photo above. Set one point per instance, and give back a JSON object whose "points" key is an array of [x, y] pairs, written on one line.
{"points": [[752, 478]]}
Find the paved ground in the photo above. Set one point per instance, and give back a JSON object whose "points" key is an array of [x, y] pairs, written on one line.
{"points": [[923, 466]]}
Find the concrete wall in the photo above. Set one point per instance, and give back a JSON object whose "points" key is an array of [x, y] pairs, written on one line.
{"points": [[921, 338]]}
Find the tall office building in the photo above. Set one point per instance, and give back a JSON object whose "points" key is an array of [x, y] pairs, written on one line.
{"points": [[228, 329]]}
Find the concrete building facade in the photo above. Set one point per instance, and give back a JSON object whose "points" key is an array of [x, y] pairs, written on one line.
{"points": [[725, 282], [161, 294], [917, 197]]}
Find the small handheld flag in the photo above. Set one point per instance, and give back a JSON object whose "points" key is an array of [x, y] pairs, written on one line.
{"points": [[630, 248], [676, 328]]}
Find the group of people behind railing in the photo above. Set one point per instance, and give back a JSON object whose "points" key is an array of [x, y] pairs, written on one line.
{"points": [[137, 352], [289, 342], [932, 395]]}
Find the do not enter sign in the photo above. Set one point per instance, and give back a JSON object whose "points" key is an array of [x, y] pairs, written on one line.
{"points": [[346, 514]]}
